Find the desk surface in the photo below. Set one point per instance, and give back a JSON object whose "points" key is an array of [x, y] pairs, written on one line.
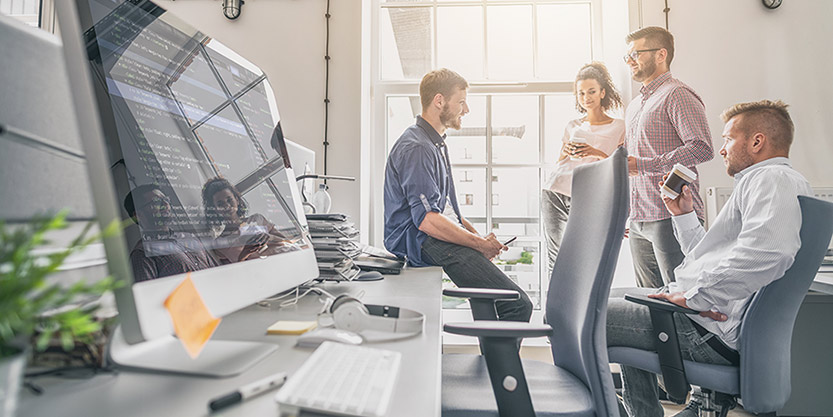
{"points": [[130, 393], [823, 282]]}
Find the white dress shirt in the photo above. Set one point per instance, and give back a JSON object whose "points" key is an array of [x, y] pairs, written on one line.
{"points": [[752, 242]]}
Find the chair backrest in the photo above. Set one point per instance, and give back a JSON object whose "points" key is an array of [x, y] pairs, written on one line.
{"points": [[766, 332], [583, 272]]}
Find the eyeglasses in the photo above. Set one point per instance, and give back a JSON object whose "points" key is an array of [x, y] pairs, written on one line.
{"points": [[635, 54]]}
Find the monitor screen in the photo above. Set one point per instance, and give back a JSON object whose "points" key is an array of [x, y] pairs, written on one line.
{"points": [[193, 131], [185, 135]]}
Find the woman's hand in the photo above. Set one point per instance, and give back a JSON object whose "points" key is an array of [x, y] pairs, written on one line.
{"points": [[582, 150], [565, 153]]}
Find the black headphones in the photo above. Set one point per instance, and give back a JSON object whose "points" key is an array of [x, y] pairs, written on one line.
{"points": [[351, 314]]}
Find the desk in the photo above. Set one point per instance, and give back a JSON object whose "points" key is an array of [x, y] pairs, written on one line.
{"points": [[130, 393], [823, 282]]}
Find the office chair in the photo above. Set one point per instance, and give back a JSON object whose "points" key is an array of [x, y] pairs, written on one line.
{"points": [[762, 379], [499, 383]]}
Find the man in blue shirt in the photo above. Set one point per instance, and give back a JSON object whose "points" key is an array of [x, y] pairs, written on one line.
{"points": [[422, 218]]}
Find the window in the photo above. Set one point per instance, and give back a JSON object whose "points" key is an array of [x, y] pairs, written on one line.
{"points": [[520, 57], [27, 11]]}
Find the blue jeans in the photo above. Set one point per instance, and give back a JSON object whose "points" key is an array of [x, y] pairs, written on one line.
{"points": [[469, 268], [629, 325], [555, 208]]}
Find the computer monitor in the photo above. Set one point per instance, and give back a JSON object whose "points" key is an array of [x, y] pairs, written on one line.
{"points": [[303, 163], [192, 131]]}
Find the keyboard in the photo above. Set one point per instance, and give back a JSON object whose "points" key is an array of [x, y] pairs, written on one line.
{"points": [[341, 379]]}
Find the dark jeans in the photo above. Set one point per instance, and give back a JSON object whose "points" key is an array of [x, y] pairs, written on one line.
{"points": [[629, 325], [656, 252], [469, 268]]}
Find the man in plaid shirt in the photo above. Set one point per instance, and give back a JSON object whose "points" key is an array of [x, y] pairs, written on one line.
{"points": [[665, 125]]}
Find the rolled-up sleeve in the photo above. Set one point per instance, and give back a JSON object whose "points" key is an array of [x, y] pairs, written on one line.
{"points": [[418, 176]]}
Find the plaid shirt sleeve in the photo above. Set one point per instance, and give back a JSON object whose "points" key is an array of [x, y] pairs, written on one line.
{"points": [[688, 116]]}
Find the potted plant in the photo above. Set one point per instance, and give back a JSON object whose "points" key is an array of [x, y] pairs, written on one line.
{"points": [[29, 302]]}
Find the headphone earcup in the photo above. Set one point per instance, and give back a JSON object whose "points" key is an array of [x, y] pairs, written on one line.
{"points": [[349, 313], [340, 300]]}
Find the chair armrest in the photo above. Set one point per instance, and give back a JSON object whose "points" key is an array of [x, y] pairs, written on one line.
{"points": [[658, 303], [482, 300], [499, 344], [483, 293], [667, 344], [508, 329]]}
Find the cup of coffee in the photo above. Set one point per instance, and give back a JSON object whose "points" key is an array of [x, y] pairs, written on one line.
{"points": [[677, 178], [577, 140]]}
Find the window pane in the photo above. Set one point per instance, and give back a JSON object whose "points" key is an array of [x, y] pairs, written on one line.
{"points": [[27, 11], [468, 145], [259, 110], [558, 110], [471, 193], [196, 89], [559, 60], [402, 111], [460, 40], [228, 145], [522, 264], [515, 201], [405, 42], [235, 71], [515, 130], [510, 42]]}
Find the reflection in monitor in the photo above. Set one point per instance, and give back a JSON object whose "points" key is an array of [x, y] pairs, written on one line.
{"points": [[191, 147]]}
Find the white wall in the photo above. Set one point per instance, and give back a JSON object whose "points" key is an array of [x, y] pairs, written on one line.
{"points": [[285, 38], [735, 51], [728, 51]]}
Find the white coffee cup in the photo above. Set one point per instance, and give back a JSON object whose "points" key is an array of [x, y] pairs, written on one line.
{"points": [[677, 178]]}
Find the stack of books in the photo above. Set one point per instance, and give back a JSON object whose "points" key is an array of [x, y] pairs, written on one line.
{"points": [[335, 240]]}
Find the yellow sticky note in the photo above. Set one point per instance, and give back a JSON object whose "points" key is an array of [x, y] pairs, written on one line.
{"points": [[193, 323], [291, 327]]}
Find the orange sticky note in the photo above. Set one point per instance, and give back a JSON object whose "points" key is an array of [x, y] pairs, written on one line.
{"points": [[193, 323]]}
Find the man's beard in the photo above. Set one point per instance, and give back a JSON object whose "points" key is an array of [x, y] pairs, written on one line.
{"points": [[449, 120], [645, 72], [738, 164]]}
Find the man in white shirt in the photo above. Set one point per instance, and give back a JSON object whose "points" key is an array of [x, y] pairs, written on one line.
{"points": [[752, 242]]}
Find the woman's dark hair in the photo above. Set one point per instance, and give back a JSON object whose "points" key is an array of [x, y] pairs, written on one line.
{"points": [[597, 71], [214, 186]]}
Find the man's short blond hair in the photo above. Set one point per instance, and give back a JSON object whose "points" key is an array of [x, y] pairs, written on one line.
{"points": [[442, 81], [655, 37], [766, 116]]}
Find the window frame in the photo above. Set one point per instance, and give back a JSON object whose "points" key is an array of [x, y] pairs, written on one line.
{"points": [[382, 89]]}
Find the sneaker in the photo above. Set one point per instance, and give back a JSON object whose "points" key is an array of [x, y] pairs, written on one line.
{"points": [[690, 410]]}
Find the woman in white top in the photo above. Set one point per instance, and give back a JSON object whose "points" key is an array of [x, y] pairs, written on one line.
{"points": [[587, 139], [238, 237]]}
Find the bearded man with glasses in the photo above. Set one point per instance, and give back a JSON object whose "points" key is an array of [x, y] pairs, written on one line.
{"points": [[664, 125]]}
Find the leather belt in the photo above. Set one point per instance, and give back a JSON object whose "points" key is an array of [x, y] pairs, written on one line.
{"points": [[728, 353]]}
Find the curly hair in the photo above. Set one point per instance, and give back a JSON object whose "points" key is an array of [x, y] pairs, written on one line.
{"points": [[597, 71], [214, 186]]}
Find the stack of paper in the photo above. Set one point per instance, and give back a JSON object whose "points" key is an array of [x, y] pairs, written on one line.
{"points": [[335, 240]]}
